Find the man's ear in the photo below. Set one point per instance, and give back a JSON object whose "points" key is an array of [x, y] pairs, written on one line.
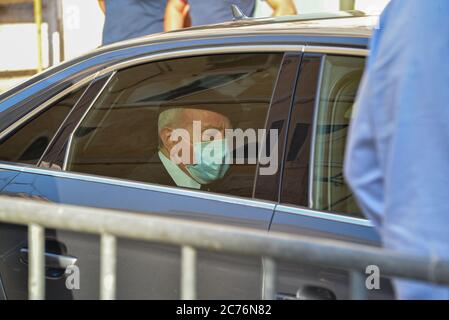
{"points": [[165, 135]]}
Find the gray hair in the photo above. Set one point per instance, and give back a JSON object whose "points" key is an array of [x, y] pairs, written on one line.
{"points": [[170, 117]]}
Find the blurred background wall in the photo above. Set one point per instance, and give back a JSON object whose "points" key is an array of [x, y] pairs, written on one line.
{"points": [[70, 28]]}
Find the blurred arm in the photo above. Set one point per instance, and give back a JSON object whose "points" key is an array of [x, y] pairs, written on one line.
{"points": [[177, 15], [282, 7], [102, 5]]}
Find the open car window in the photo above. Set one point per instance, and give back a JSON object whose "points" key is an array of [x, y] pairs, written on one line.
{"points": [[340, 81], [124, 133]]}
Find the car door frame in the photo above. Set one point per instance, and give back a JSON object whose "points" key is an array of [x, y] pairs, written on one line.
{"points": [[307, 211], [352, 229], [107, 74], [292, 55]]}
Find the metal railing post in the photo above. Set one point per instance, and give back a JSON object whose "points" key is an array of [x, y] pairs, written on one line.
{"points": [[188, 273], [36, 270], [108, 265], [38, 22], [269, 279], [358, 288]]}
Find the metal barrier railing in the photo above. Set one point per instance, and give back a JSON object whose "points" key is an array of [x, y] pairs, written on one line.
{"points": [[191, 236]]}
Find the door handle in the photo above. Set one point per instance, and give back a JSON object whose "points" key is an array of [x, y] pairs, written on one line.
{"points": [[308, 293], [315, 293], [52, 260]]}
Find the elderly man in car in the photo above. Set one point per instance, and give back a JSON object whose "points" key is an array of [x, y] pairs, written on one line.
{"points": [[193, 151]]}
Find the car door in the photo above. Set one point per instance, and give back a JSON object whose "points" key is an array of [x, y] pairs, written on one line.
{"points": [[107, 157], [24, 142], [6, 176], [315, 200]]}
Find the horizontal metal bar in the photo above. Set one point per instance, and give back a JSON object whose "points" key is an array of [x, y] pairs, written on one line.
{"points": [[17, 73], [346, 51], [211, 237]]}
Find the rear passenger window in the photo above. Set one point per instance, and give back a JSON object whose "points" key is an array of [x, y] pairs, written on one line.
{"points": [[27, 143], [313, 167], [340, 81], [128, 131]]}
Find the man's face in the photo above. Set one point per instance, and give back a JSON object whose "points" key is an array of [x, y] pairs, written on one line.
{"points": [[213, 126]]}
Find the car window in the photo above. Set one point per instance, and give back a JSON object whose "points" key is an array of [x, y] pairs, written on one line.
{"points": [[128, 133], [295, 178], [313, 167], [340, 81], [27, 143]]}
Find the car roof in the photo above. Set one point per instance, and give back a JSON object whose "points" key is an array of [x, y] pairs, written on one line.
{"points": [[334, 27], [337, 24]]}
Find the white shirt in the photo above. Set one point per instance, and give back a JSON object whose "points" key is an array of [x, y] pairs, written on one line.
{"points": [[179, 177]]}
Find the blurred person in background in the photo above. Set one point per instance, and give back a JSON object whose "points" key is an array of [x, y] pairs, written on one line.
{"points": [[397, 160], [184, 13], [127, 19]]}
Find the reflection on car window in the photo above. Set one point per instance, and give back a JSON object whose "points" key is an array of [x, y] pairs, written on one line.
{"points": [[128, 133], [28, 142], [339, 86], [295, 178]]}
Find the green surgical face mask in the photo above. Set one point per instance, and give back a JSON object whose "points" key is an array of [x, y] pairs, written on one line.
{"points": [[211, 157]]}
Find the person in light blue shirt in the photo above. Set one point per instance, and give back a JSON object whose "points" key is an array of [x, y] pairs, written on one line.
{"points": [[397, 160], [185, 13], [217, 11], [127, 19]]}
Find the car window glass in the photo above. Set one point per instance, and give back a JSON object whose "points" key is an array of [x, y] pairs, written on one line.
{"points": [[340, 81], [28, 142], [127, 133], [295, 178]]}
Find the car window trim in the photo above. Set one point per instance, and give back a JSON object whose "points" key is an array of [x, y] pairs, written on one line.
{"points": [[94, 100], [47, 104], [51, 156], [334, 50], [224, 49], [65, 119], [233, 49], [263, 204], [302, 211], [314, 131], [201, 51], [282, 142], [324, 51]]}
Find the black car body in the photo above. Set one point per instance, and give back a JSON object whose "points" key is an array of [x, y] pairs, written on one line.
{"points": [[76, 133]]}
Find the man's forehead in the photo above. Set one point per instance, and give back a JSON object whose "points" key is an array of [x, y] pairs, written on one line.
{"points": [[203, 114]]}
